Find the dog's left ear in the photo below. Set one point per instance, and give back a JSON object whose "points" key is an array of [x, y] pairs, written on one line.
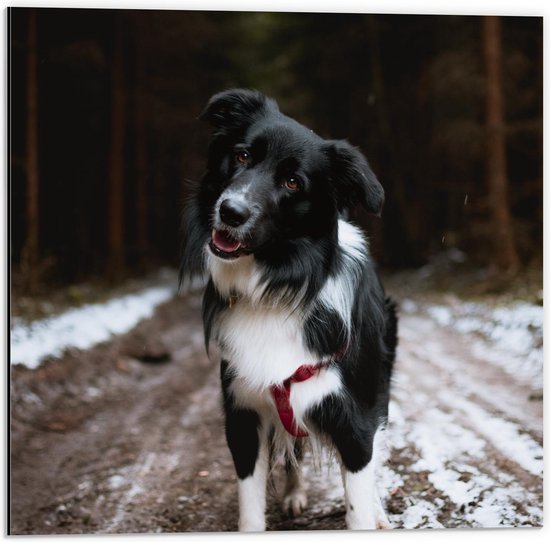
{"points": [[235, 107], [353, 179]]}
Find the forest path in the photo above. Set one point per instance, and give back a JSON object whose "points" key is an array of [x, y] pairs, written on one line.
{"points": [[118, 439]]}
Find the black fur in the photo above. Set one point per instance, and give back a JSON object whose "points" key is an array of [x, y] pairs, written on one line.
{"points": [[294, 240], [241, 428]]}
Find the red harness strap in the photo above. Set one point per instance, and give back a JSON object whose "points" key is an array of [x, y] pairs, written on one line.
{"points": [[281, 393]]}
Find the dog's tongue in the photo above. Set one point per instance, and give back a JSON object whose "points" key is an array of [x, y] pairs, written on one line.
{"points": [[224, 241]]}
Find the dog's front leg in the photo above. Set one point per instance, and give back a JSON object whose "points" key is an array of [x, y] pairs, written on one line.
{"points": [[360, 492], [360, 458], [248, 443], [252, 490]]}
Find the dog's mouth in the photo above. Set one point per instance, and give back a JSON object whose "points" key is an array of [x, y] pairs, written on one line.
{"points": [[224, 245]]}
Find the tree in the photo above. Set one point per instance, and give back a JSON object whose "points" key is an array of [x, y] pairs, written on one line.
{"points": [[140, 105], [505, 256], [30, 250], [116, 258]]}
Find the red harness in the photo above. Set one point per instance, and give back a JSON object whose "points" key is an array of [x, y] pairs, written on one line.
{"points": [[281, 394]]}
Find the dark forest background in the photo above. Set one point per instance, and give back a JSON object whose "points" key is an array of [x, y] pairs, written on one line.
{"points": [[103, 130]]}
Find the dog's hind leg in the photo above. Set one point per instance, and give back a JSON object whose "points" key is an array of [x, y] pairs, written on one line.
{"points": [[295, 498]]}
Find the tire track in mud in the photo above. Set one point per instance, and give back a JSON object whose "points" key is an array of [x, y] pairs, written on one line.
{"points": [[491, 472]]}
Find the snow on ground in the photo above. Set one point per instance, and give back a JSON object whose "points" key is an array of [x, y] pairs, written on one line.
{"points": [[507, 336], [459, 465], [458, 417], [83, 327]]}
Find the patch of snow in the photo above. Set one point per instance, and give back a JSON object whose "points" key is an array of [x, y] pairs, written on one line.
{"points": [[83, 327], [455, 255], [460, 491], [498, 508], [135, 489], [509, 337], [442, 315], [395, 435], [462, 379], [443, 443], [93, 393], [488, 513], [421, 514], [503, 435], [440, 438], [450, 454], [435, 416], [527, 369], [31, 397], [116, 481], [134, 474], [408, 306], [387, 480]]}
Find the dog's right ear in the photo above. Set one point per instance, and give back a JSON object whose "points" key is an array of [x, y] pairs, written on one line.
{"points": [[235, 107], [353, 179]]}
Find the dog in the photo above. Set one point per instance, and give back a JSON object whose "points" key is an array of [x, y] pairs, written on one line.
{"points": [[293, 301]]}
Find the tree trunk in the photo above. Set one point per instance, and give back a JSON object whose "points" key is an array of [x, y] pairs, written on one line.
{"points": [[142, 211], [116, 163], [505, 256], [29, 258], [399, 237]]}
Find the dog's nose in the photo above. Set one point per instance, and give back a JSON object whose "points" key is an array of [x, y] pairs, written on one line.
{"points": [[234, 213]]}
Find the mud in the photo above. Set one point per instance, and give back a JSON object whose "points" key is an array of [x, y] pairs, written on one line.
{"points": [[127, 437]]}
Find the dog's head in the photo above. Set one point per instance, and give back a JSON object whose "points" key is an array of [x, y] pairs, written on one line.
{"points": [[271, 180]]}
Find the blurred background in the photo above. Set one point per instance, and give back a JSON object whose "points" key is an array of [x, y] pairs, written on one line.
{"points": [[103, 130]]}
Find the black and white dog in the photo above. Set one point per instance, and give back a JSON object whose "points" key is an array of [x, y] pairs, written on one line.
{"points": [[293, 301]]}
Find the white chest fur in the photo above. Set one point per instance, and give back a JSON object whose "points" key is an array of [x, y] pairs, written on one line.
{"points": [[263, 343], [264, 346]]}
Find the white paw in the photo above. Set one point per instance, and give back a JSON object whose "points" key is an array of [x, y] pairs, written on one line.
{"points": [[295, 502], [251, 526], [356, 522], [383, 523]]}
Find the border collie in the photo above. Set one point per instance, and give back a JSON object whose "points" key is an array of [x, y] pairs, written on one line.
{"points": [[293, 301]]}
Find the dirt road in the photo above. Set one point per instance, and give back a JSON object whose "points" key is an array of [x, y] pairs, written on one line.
{"points": [[128, 437]]}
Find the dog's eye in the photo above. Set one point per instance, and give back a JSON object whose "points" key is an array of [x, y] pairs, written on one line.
{"points": [[292, 184], [243, 157]]}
